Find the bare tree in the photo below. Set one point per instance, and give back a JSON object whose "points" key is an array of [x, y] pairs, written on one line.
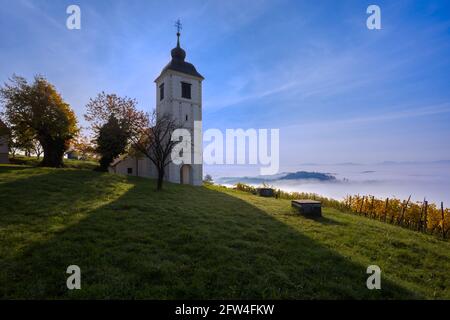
{"points": [[154, 140]]}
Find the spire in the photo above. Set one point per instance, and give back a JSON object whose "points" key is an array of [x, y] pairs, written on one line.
{"points": [[178, 54], [179, 27]]}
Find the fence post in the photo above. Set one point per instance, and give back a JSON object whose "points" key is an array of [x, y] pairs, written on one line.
{"points": [[405, 205], [425, 220], [362, 203], [419, 223], [371, 207], [385, 209]]}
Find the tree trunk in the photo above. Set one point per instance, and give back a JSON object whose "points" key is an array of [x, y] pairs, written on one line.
{"points": [[159, 184], [53, 155]]}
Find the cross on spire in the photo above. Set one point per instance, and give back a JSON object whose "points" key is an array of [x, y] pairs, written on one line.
{"points": [[179, 26]]}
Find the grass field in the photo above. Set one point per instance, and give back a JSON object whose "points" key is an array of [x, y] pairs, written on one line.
{"points": [[68, 163], [196, 242]]}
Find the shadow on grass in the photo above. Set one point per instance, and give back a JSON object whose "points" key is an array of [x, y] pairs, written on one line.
{"points": [[324, 220], [8, 168], [36, 195], [68, 163], [182, 243], [293, 212]]}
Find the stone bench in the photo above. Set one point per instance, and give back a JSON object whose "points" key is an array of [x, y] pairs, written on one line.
{"points": [[311, 208], [266, 192]]}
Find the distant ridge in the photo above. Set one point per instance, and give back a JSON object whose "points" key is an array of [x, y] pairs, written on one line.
{"points": [[414, 162], [387, 162], [299, 175]]}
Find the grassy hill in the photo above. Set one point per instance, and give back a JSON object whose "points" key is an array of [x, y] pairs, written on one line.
{"points": [[196, 242]]}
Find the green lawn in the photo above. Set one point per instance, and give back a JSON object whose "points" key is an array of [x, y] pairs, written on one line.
{"points": [[68, 163], [196, 242]]}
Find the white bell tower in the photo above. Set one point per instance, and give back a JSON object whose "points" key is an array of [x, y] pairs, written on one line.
{"points": [[179, 93]]}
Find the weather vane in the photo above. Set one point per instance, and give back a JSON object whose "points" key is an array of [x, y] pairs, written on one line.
{"points": [[179, 26]]}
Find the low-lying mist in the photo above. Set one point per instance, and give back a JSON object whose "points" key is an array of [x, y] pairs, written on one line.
{"points": [[400, 180]]}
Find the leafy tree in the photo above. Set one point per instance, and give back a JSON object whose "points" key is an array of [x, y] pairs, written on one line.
{"points": [[37, 110], [111, 142], [24, 140]]}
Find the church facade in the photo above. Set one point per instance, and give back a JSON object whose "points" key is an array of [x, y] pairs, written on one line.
{"points": [[178, 94]]}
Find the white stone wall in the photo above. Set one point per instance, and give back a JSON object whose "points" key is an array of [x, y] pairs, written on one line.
{"points": [[141, 167]]}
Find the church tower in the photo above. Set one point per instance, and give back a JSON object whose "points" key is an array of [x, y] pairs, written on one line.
{"points": [[179, 94]]}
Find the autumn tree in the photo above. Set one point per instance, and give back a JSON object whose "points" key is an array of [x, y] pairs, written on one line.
{"points": [[84, 147], [38, 109]]}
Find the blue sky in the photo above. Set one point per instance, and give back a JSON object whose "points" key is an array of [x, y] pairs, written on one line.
{"points": [[337, 91]]}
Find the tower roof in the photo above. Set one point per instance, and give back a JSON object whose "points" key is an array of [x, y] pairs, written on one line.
{"points": [[178, 62]]}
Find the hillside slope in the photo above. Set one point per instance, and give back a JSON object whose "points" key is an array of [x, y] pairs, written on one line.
{"points": [[196, 242]]}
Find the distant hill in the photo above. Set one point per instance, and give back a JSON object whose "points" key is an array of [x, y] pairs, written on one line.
{"points": [[299, 175], [414, 162]]}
